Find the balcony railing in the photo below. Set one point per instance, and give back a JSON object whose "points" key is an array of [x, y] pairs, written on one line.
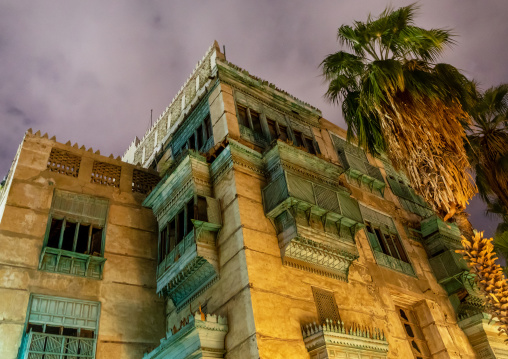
{"points": [[50, 346], [394, 263], [252, 136], [67, 262], [187, 244]]}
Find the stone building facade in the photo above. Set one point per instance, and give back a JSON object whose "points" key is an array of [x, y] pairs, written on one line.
{"points": [[242, 225]]}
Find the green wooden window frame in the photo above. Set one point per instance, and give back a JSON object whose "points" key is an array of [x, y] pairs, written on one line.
{"points": [[198, 140], [75, 235], [386, 241], [60, 328]]}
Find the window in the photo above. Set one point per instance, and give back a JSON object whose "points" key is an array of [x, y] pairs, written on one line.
{"points": [[272, 128], [382, 240], [283, 132], [242, 116], [414, 333], [60, 328], [325, 305], [64, 162], [256, 122], [306, 142], [385, 241], [75, 235], [181, 225], [198, 140]]}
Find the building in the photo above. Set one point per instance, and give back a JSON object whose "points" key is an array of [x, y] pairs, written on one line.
{"points": [[242, 225]]}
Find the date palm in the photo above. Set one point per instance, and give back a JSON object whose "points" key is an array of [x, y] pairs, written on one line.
{"points": [[396, 99]]}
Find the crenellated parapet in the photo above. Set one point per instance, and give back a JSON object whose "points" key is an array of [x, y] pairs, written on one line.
{"points": [[335, 339], [198, 336], [192, 91]]}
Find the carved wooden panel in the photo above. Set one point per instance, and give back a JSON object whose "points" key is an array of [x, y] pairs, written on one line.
{"points": [[64, 162], [325, 305]]}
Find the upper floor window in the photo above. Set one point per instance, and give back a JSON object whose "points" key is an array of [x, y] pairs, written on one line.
{"points": [[414, 333], [242, 116], [306, 142], [199, 139], [60, 328], [181, 225], [277, 131], [385, 241], [74, 241]]}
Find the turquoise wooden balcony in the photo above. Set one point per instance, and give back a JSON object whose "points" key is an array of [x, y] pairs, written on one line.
{"points": [[187, 260], [42, 345], [439, 236], [190, 267], [361, 170], [67, 262], [450, 270], [315, 218]]}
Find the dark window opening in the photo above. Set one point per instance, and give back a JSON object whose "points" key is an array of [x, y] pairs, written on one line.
{"points": [[180, 220], [242, 116], [202, 210], [84, 333], [162, 244], [68, 236], [381, 241], [96, 241], [34, 328], [256, 122], [309, 144], [208, 128], [70, 332], [199, 137], [83, 234], [54, 232], [400, 249], [272, 129], [172, 235], [50, 329], [298, 139], [283, 133], [190, 216]]}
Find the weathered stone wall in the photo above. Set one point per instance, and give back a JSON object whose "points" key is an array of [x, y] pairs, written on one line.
{"points": [[131, 318]]}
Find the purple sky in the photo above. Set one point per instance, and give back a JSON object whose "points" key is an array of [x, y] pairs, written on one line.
{"points": [[90, 71]]}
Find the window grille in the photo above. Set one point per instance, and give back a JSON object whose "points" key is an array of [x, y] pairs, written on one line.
{"points": [[143, 182], [325, 305], [64, 162], [106, 174], [414, 333], [60, 328]]}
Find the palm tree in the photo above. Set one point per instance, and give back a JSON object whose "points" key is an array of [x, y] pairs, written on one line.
{"points": [[396, 99], [487, 145]]}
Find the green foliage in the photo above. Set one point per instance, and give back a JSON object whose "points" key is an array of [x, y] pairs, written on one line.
{"points": [[395, 99]]}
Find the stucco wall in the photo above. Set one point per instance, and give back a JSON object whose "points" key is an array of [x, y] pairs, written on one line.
{"points": [[132, 315]]}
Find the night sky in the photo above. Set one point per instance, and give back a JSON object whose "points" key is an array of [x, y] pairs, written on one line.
{"points": [[91, 71]]}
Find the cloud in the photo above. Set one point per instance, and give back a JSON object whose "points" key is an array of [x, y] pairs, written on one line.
{"points": [[90, 71]]}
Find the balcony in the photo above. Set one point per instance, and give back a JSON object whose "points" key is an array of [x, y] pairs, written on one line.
{"points": [[362, 171], [252, 136], [338, 340], [394, 263], [315, 223], [67, 262], [440, 236], [43, 345], [190, 267], [192, 262], [198, 336]]}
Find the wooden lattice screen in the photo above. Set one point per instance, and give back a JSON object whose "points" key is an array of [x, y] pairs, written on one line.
{"points": [[325, 305], [143, 182], [64, 162], [106, 174]]}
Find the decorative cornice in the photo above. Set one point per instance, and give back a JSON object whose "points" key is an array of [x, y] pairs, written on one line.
{"points": [[331, 334]]}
